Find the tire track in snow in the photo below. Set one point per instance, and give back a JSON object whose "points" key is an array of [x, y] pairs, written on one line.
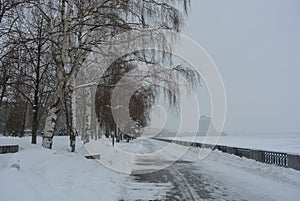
{"points": [[189, 189]]}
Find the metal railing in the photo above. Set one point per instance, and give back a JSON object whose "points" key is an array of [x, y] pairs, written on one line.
{"points": [[280, 159], [268, 157]]}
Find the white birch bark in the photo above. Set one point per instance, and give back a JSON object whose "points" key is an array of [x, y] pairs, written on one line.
{"points": [[61, 80], [93, 112], [49, 128], [83, 115], [73, 115], [97, 135], [88, 117], [53, 112]]}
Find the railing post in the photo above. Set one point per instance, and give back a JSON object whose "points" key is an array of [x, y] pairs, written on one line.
{"points": [[257, 155], [293, 161]]}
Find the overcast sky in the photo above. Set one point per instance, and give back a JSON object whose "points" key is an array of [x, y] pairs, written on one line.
{"points": [[256, 47]]}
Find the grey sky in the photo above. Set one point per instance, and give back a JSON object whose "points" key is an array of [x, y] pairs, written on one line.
{"points": [[256, 46]]}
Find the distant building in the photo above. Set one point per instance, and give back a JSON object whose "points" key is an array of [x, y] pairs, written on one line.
{"points": [[204, 125]]}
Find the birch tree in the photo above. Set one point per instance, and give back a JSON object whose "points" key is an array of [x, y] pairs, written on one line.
{"points": [[73, 28], [76, 26]]}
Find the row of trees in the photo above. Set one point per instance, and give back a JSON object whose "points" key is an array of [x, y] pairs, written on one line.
{"points": [[45, 44], [27, 73]]}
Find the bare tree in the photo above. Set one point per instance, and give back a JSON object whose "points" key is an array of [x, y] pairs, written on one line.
{"points": [[28, 38], [76, 26], [8, 5], [5, 78], [72, 28]]}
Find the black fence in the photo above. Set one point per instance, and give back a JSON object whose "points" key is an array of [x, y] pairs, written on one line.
{"points": [[280, 159], [9, 149]]}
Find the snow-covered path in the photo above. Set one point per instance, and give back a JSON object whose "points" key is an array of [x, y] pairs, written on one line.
{"points": [[219, 177], [38, 174]]}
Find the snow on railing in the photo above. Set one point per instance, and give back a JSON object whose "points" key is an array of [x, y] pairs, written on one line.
{"points": [[268, 157]]}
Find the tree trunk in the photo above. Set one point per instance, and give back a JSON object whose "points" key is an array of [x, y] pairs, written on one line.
{"points": [[121, 134], [35, 120], [83, 118], [117, 133], [50, 125], [88, 117], [83, 126], [34, 124], [73, 131], [94, 124], [106, 130], [97, 131], [51, 119], [2, 93]]}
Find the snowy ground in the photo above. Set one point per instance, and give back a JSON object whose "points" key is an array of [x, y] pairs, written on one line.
{"points": [[287, 143], [220, 176], [38, 174], [247, 179]]}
